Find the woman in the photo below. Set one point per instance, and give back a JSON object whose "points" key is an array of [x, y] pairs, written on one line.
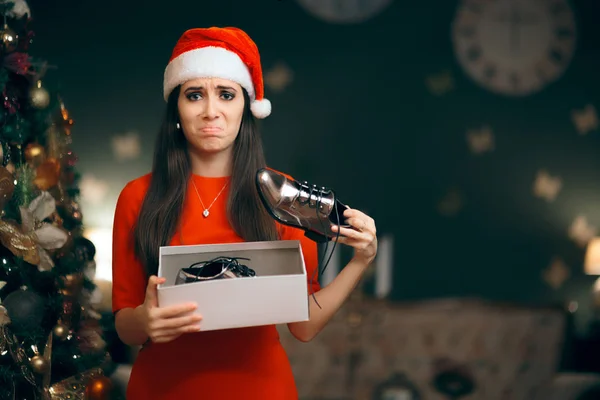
{"points": [[201, 190]]}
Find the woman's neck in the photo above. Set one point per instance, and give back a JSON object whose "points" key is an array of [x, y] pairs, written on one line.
{"points": [[212, 165]]}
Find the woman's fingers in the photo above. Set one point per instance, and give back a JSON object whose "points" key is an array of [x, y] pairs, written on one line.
{"points": [[152, 290], [172, 311], [177, 331], [168, 334], [351, 233], [174, 323]]}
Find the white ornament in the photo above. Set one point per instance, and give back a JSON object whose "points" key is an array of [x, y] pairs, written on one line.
{"points": [[39, 96], [481, 140], [47, 236], [581, 232], [279, 77], [440, 83], [126, 146], [586, 119], [451, 204], [546, 187], [557, 273], [93, 190]]}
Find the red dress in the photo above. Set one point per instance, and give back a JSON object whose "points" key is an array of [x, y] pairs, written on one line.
{"points": [[243, 363]]}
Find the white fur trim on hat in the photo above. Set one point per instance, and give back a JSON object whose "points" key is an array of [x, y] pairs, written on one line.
{"points": [[261, 108], [208, 62]]}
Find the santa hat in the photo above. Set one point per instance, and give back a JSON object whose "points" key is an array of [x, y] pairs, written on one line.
{"points": [[226, 53]]}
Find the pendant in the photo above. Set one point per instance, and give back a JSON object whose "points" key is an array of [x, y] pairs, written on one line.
{"points": [[205, 213]]}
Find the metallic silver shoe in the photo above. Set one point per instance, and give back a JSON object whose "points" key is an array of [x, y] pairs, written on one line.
{"points": [[301, 205]]}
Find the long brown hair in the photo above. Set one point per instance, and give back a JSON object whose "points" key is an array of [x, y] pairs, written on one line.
{"points": [[161, 209]]}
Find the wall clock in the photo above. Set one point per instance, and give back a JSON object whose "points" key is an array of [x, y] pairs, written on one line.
{"points": [[344, 11], [514, 47]]}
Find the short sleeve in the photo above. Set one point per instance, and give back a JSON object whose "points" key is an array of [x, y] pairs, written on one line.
{"points": [[310, 253], [128, 274]]}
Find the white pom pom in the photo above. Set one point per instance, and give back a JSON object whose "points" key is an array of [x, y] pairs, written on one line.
{"points": [[261, 108]]}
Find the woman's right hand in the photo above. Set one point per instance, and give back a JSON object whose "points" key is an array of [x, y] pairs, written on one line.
{"points": [[163, 324]]}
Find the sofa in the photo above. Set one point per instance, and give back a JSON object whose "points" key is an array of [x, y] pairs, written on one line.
{"points": [[440, 349]]}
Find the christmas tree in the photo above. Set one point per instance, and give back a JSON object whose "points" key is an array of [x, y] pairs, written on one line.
{"points": [[51, 341]]}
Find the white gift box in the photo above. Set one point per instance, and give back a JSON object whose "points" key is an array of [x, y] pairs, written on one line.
{"points": [[277, 294]]}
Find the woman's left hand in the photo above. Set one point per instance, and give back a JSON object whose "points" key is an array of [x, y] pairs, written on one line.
{"points": [[362, 236]]}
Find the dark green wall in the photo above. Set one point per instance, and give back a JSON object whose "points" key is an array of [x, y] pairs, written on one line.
{"points": [[389, 146], [359, 117]]}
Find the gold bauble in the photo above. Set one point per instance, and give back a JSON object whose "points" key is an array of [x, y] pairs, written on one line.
{"points": [[9, 39], [35, 154], [61, 331], [72, 284], [47, 174], [39, 364], [98, 388], [39, 96]]}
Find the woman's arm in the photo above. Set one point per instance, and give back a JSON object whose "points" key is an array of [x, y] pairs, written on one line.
{"points": [[330, 299], [364, 241], [134, 296], [129, 327]]}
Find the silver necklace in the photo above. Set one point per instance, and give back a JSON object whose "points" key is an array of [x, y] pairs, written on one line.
{"points": [[206, 213]]}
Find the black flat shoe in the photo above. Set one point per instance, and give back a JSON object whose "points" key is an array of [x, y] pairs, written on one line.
{"points": [[217, 268]]}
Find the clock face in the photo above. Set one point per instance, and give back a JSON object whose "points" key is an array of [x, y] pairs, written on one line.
{"points": [[344, 11], [514, 47]]}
